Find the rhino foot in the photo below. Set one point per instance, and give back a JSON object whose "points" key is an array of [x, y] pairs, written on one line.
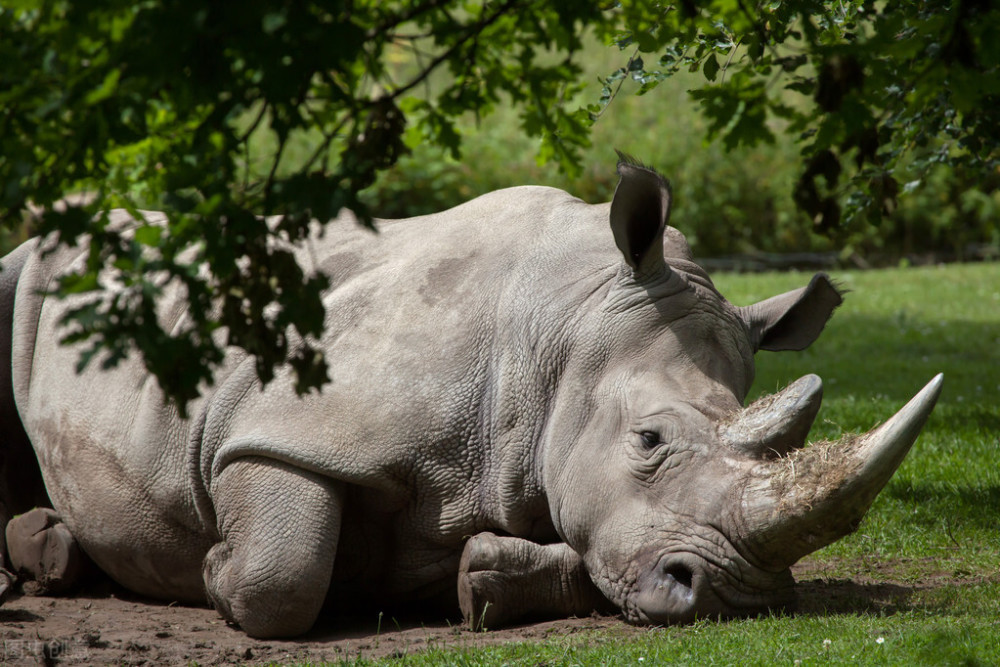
{"points": [[481, 588], [504, 579], [43, 552]]}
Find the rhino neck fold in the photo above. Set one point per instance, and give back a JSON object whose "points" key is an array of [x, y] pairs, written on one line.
{"points": [[517, 405], [533, 348]]}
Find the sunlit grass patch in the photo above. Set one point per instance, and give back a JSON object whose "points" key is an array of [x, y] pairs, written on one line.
{"points": [[917, 637]]}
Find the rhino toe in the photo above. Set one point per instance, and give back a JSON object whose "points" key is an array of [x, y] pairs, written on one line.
{"points": [[43, 551], [482, 552]]}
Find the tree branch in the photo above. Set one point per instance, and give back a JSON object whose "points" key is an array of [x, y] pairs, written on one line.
{"points": [[255, 123], [628, 67], [474, 31], [403, 18]]}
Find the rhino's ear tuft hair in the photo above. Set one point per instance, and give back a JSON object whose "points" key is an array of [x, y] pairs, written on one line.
{"points": [[639, 213], [793, 320]]}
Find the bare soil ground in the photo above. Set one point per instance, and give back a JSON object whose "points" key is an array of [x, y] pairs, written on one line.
{"points": [[108, 626]]}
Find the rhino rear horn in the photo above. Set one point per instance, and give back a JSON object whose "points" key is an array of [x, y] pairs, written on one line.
{"points": [[808, 499], [640, 209], [774, 425]]}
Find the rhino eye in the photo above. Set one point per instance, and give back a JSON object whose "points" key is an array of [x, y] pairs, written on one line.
{"points": [[650, 439]]}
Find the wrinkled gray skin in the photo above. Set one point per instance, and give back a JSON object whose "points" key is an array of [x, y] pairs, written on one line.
{"points": [[557, 379]]}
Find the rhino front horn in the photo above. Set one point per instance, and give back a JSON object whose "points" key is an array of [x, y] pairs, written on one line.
{"points": [[802, 502]]}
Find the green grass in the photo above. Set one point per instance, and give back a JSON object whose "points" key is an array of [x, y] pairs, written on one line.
{"points": [[932, 539], [964, 633], [915, 638]]}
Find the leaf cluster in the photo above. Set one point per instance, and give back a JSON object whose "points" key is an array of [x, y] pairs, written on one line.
{"points": [[154, 104], [157, 104], [877, 94]]}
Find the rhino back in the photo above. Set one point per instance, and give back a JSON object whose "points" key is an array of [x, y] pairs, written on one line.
{"points": [[440, 347]]}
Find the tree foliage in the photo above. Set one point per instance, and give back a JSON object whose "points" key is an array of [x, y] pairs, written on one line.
{"points": [[157, 103], [154, 104], [876, 93]]}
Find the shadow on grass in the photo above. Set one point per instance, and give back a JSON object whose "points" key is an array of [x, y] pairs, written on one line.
{"points": [[822, 597], [975, 506]]}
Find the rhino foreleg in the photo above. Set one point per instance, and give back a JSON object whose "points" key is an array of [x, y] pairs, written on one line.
{"points": [[503, 579], [279, 526]]}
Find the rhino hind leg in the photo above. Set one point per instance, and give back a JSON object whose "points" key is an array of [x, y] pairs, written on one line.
{"points": [[43, 552], [504, 579], [21, 485], [279, 526]]}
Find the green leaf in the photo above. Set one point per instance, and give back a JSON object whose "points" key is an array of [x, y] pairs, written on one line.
{"points": [[711, 67], [105, 90], [149, 235], [273, 21]]}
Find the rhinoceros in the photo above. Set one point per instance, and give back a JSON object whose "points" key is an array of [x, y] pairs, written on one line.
{"points": [[536, 408]]}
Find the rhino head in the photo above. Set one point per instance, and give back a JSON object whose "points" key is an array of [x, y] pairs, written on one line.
{"points": [[680, 501]]}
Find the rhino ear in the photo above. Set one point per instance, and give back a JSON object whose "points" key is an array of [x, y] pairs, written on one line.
{"points": [[639, 213], [792, 321]]}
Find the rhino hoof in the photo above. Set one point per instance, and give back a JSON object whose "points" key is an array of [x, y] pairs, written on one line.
{"points": [[43, 551], [480, 586]]}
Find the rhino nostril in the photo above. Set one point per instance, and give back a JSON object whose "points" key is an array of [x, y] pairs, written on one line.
{"points": [[679, 573], [665, 593]]}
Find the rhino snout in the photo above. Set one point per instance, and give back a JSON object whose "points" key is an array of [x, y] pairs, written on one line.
{"points": [[673, 591], [679, 589]]}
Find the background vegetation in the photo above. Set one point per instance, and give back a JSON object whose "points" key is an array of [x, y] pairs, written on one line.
{"points": [[727, 201]]}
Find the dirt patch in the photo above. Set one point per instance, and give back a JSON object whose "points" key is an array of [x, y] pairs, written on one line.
{"points": [[109, 626], [115, 628]]}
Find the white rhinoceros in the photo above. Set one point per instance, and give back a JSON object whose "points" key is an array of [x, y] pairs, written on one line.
{"points": [[536, 403]]}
